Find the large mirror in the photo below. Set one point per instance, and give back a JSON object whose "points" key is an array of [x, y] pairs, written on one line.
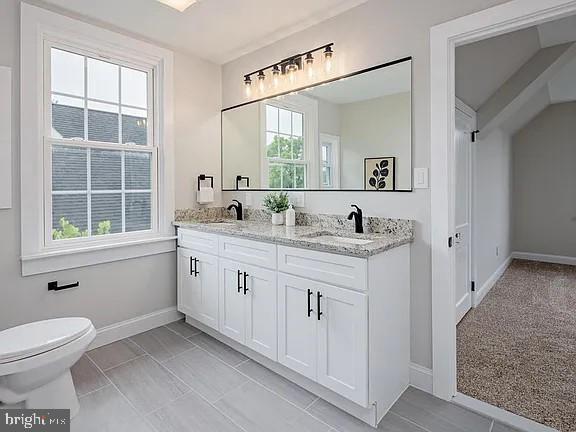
{"points": [[353, 133]]}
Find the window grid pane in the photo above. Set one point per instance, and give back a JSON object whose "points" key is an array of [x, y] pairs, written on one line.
{"points": [[114, 110], [96, 192]]}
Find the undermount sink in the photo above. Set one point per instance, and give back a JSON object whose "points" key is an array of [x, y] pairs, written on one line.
{"points": [[222, 223], [339, 239], [330, 237]]}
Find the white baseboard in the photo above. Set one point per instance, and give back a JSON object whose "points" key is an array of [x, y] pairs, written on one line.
{"points": [[521, 423], [133, 326], [489, 284], [554, 259], [421, 377]]}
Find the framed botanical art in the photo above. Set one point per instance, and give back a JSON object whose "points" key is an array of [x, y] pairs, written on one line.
{"points": [[380, 174]]}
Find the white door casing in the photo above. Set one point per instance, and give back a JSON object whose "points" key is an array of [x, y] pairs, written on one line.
{"points": [[444, 38]]}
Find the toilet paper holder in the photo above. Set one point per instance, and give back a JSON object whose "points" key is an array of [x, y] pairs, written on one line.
{"points": [[203, 177]]}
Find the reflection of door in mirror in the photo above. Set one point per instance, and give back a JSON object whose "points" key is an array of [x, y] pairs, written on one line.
{"points": [[289, 130], [329, 161]]}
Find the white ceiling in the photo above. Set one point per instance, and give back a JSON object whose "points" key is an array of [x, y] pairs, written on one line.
{"points": [[557, 32], [217, 30], [380, 82]]}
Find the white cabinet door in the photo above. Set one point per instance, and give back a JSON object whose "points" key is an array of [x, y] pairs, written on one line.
{"points": [[261, 324], [297, 325], [232, 300], [205, 289], [198, 286], [343, 342], [186, 282]]}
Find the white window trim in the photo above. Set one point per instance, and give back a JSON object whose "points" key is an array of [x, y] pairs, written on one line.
{"points": [[309, 108], [37, 27]]}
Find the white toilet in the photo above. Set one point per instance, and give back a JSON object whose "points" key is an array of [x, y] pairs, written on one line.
{"points": [[35, 362]]}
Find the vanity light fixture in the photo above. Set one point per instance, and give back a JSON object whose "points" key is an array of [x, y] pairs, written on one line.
{"points": [[288, 70], [179, 5]]}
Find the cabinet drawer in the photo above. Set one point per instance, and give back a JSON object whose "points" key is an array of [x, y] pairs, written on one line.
{"points": [[201, 241], [248, 251], [340, 270]]}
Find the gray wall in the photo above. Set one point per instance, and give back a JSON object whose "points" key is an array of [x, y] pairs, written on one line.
{"points": [[376, 32], [544, 154], [114, 292], [492, 197]]}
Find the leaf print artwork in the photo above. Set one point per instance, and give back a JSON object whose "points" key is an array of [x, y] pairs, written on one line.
{"points": [[381, 175]]}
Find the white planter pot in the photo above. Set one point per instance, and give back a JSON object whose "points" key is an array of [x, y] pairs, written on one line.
{"points": [[277, 219]]}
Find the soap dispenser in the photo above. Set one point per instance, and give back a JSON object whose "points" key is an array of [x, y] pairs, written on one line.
{"points": [[290, 216]]}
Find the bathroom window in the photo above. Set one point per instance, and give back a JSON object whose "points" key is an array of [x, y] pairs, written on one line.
{"points": [[287, 164], [100, 140], [97, 145]]}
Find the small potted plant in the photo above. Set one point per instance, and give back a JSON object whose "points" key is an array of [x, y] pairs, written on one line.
{"points": [[276, 203]]}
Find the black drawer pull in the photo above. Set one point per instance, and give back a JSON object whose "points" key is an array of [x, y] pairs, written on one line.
{"points": [[53, 286], [319, 296], [194, 267], [310, 310], [239, 283], [196, 272], [246, 283]]}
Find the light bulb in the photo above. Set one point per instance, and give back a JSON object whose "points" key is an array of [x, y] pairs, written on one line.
{"points": [[276, 76], [310, 66], [291, 70], [328, 53], [247, 86], [261, 84]]}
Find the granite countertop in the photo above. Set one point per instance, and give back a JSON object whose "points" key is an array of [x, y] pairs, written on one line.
{"points": [[313, 236]]}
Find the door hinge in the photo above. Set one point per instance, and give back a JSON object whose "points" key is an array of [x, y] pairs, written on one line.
{"points": [[473, 286]]}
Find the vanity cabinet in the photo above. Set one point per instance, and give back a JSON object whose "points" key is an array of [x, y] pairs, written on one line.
{"points": [[337, 325], [197, 279], [323, 334], [248, 306]]}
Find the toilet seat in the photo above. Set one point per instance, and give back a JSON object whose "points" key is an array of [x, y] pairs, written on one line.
{"points": [[39, 337]]}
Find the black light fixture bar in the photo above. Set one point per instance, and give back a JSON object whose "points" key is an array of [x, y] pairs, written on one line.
{"points": [[297, 58]]}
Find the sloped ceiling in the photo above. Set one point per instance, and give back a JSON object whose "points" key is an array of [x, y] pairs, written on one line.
{"points": [[482, 67], [217, 30]]}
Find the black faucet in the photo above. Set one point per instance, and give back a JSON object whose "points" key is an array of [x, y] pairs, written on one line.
{"points": [[238, 208], [357, 215]]}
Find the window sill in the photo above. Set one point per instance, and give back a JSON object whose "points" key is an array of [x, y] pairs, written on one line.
{"points": [[64, 259]]}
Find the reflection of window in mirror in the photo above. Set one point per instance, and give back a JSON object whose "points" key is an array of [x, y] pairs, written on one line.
{"points": [[329, 161], [288, 128]]}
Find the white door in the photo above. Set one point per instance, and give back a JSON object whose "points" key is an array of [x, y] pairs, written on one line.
{"points": [[186, 282], [205, 289], [462, 243], [232, 304], [297, 325], [261, 324], [343, 342]]}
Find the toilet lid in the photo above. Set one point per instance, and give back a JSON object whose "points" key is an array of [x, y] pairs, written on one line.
{"points": [[39, 337]]}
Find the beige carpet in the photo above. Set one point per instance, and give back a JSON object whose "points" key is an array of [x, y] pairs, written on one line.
{"points": [[517, 350]]}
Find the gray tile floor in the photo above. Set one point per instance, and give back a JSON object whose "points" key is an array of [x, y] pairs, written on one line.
{"points": [[176, 378]]}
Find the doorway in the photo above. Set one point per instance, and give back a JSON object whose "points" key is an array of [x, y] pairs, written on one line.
{"points": [[501, 19]]}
